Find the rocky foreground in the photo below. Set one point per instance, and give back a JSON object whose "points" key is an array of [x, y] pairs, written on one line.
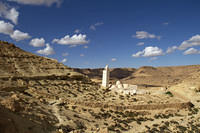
{"points": [[41, 95]]}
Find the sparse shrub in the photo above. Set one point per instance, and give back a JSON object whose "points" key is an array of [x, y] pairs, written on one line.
{"points": [[128, 96], [163, 128], [111, 128], [174, 122], [176, 114], [166, 116], [74, 107], [96, 125], [106, 124], [111, 111], [129, 120], [130, 114], [77, 116], [197, 89], [66, 128], [134, 100], [138, 122], [149, 102], [84, 109], [169, 93], [102, 110], [155, 125], [105, 115], [147, 127], [154, 130], [182, 128], [121, 97], [95, 115], [80, 125], [193, 111], [120, 127], [167, 123]]}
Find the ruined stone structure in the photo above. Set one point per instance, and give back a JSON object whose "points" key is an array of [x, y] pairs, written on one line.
{"points": [[126, 89]]}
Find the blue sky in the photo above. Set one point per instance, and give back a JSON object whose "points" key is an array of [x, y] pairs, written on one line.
{"points": [[93, 33]]}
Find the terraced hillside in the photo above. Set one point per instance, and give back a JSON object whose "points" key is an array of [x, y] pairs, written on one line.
{"points": [[16, 62], [41, 95]]}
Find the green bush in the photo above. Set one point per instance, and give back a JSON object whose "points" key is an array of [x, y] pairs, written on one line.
{"points": [[169, 93]]}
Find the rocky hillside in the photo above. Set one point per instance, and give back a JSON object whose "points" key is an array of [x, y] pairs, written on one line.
{"points": [[189, 88], [16, 62], [146, 75], [29, 85], [41, 95], [115, 73], [17, 65]]}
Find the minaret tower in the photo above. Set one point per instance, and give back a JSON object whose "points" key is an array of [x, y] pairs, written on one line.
{"points": [[105, 77]]}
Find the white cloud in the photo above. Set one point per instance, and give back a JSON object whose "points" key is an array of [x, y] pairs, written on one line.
{"points": [[77, 31], [64, 60], [6, 28], [98, 24], [65, 54], [82, 55], [149, 52], [145, 35], [72, 41], [138, 54], [9, 13], [13, 15], [191, 51], [193, 41], [46, 51], [140, 43], [152, 51], [38, 2], [18, 35], [85, 46], [166, 23], [171, 49], [37, 42], [93, 27], [113, 59], [153, 58]]}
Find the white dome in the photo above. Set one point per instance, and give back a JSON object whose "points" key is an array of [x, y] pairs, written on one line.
{"points": [[126, 85], [118, 83], [120, 86]]}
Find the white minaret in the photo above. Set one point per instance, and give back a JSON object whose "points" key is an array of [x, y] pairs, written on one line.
{"points": [[105, 77]]}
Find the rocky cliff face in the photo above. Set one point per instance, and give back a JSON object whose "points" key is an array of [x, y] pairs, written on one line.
{"points": [[16, 62]]}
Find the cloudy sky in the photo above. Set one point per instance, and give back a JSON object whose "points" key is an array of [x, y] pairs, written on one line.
{"points": [[93, 33]]}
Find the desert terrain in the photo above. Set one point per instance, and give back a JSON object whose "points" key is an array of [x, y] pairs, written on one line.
{"points": [[41, 95]]}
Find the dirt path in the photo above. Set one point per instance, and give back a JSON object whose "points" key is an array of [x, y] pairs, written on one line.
{"points": [[55, 111]]}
